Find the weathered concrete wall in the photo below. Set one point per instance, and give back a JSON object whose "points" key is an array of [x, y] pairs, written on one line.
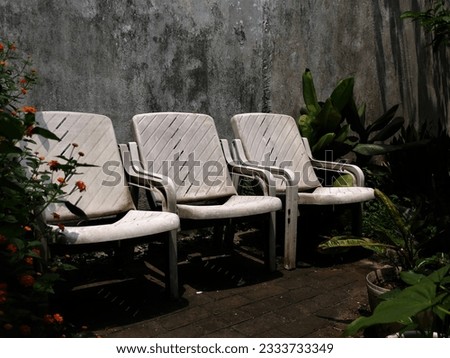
{"points": [[223, 57]]}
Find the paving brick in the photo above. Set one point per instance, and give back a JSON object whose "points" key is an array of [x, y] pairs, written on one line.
{"points": [[260, 324], [264, 290], [226, 304], [304, 326], [183, 318], [235, 316], [307, 302]]}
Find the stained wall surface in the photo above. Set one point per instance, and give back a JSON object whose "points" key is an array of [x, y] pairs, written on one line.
{"points": [[223, 57]]}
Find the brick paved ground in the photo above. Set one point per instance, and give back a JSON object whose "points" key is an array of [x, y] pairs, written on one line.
{"points": [[307, 302], [228, 297]]}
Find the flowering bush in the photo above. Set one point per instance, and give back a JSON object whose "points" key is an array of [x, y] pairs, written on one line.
{"points": [[28, 184]]}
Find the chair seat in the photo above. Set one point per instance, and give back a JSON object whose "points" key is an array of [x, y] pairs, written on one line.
{"points": [[235, 206], [134, 224], [336, 196]]}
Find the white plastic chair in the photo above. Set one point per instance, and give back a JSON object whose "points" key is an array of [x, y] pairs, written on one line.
{"points": [[184, 150], [107, 195], [273, 142]]}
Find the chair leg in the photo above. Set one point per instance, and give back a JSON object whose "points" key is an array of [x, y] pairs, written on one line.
{"points": [[172, 266], [218, 233], [290, 232], [229, 235], [271, 261], [124, 253], [357, 210]]}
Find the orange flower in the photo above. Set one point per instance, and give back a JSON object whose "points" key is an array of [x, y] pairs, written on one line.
{"points": [[23, 81], [28, 260], [1, 47], [81, 185], [56, 216], [27, 280], [61, 180], [58, 318], [29, 131], [3, 63], [61, 227], [23, 90], [53, 164], [28, 109], [27, 228], [48, 319]]}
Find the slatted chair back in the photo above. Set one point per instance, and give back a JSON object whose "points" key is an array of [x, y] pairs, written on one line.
{"points": [[93, 135], [186, 148], [274, 140]]}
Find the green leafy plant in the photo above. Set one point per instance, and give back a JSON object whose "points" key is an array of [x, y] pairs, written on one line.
{"points": [[339, 125], [400, 238], [423, 306], [435, 20], [29, 183]]}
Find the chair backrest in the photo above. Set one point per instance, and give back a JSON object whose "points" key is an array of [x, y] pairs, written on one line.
{"points": [[106, 192], [186, 148], [274, 140]]}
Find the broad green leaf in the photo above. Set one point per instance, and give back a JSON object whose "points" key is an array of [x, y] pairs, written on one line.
{"points": [[411, 277], [406, 304], [342, 135], [343, 181], [309, 93], [45, 133], [394, 213], [438, 275], [362, 113], [382, 121], [75, 209], [389, 130], [375, 149], [329, 118], [323, 142], [409, 14], [354, 241], [343, 93], [356, 118], [305, 127]]}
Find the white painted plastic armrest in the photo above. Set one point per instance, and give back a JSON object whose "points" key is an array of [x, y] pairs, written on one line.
{"points": [[239, 155], [264, 176], [145, 179], [351, 169]]}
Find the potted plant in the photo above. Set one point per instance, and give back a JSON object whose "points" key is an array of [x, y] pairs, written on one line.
{"points": [[422, 308], [401, 242]]}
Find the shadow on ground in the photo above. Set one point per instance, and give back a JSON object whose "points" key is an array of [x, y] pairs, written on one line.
{"points": [[102, 294]]}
